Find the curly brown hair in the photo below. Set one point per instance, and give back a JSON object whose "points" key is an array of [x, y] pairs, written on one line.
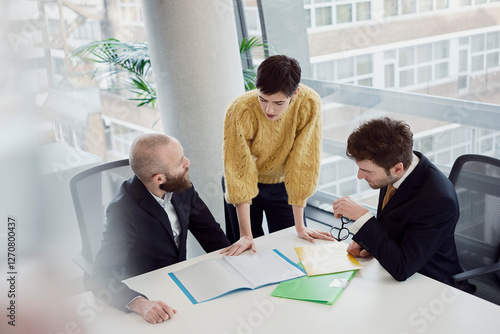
{"points": [[384, 141]]}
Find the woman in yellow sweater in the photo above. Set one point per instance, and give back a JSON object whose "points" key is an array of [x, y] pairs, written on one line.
{"points": [[272, 148]]}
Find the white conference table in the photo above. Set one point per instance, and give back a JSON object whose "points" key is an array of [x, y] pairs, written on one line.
{"points": [[373, 302]]}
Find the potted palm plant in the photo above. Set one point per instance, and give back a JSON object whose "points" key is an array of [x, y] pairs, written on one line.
{"points": [[129, 65]]}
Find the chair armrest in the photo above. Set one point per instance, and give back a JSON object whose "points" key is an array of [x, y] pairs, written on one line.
{"points": [[477, 272]]}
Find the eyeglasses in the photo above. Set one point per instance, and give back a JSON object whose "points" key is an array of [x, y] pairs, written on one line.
{"points": [[344, 231]]}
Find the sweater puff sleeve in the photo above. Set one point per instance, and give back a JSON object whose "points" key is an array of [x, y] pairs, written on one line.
{"points": [[304, 161], [240, 170]]}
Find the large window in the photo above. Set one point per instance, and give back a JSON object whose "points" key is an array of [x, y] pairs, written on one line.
{"points": [[130, 12], [484, 50], [421, 64], [120, 135], [320, 13], [355, 70], [404, 7]]}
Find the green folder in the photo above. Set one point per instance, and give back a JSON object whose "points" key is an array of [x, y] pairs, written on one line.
{"points": [[323, 289]]}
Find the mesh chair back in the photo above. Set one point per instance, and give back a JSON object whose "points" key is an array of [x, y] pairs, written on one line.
{"points": [[477, 235], [92, 190]]}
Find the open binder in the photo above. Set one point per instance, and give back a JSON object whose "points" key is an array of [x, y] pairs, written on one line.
{"points": [[213, 278]]}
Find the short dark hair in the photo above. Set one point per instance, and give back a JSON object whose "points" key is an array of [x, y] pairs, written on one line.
{"points": [[278, 74], [384, 141]]}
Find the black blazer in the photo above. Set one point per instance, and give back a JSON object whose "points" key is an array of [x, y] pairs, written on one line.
{"points": [[415, 230], [138, 238]]}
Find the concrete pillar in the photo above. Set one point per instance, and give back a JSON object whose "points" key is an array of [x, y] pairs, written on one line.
{"points": [[197, 69]]}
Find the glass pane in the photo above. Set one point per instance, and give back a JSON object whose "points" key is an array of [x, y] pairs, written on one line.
{"points": [[461, 134], [345, 68], [424, 74], [325, 70], [347, 188], [344, 13], [363, 11], [364, 65], [462, 60], [477, 43], [462, 82], [492, 60], [390, 7], [406, 78], [323, 16], [441, 50], [391, 54], [440, 4], [251, 19], [425, 5], [493, 40], [477, 63], [347, 168], [478, 2], [485, 132], [365, 82], [406, 56], [389, 76], [424, 53], [443, 159], [426, 144], [486, 145], [328, 173], [308, 18], [409, 6], [134, 16], [442, 70], [443, 140], [465, 3], [464, 41]]}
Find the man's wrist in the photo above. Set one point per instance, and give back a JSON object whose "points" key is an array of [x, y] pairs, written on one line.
{"points": [[134, 303]]}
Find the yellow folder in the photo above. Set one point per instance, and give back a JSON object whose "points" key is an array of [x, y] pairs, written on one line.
{"points": [[326, 258]]}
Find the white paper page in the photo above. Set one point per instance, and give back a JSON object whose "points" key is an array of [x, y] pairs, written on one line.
{"points": [[265, 267], [210, 278]]}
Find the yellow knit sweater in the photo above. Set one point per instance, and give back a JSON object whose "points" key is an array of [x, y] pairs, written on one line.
{"points": [[257, 150]]}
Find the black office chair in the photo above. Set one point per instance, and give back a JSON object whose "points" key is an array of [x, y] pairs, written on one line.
{"points": [[92, 190], [477, 181]]}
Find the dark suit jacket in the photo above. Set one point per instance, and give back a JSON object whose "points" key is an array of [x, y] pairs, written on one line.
{"points": [[138, 238], [415, 230]]}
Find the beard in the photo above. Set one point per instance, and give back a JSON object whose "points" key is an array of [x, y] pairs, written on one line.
{"points": [[378, 184], [177, 184]]}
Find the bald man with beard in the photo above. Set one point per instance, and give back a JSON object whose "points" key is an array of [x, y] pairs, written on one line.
{"points": [[147, 225]]}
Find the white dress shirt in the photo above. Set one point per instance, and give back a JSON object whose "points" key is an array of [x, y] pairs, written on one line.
{"points": [[166, 204]]}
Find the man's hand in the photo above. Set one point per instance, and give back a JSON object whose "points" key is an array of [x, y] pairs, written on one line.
{"points": [[347, 207], [356, 250], [240, 246], [310, 234], [152, 311]]}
